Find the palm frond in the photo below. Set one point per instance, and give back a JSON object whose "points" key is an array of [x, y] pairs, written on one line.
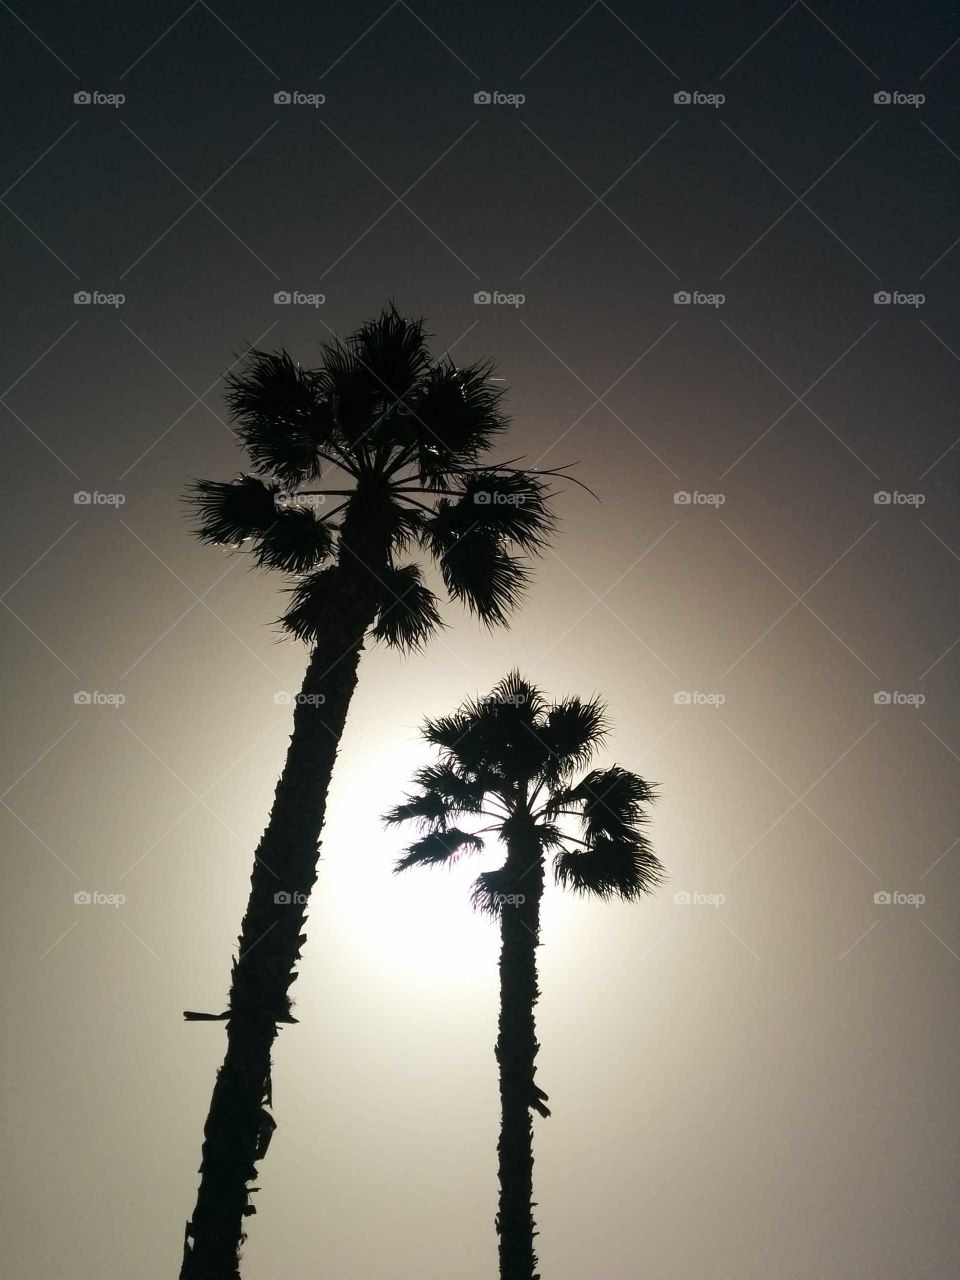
{"points": [[311, 597], [429, 810], [492, 889], [440, 847], [446, 732], [407, 613], [296, 541], [462, 793], [232, 511], [477, 570], [392, 351], [512, 506], [454, 417], [572, 730], [610, 802], [625, 869], [282, 418]]}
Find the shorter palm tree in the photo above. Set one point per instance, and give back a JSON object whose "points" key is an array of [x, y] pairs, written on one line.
{"points": [[513, 757]]}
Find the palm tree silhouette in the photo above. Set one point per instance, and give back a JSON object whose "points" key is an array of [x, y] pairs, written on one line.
{"points": [[373, 455], [513, 757]]}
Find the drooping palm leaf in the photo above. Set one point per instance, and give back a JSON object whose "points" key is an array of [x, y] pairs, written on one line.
{"points": [[625, 869], [295, 542], [439, 847], [407, 614]]}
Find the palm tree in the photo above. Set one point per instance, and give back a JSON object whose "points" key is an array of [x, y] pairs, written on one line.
{"points": [[513, 757], [373, 455]]}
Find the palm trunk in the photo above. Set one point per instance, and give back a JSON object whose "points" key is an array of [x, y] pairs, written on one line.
{"points": [[516, 1053], [239, 1126]]}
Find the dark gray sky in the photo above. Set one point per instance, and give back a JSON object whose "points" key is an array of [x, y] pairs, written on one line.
{"points": [[752, 1075]]}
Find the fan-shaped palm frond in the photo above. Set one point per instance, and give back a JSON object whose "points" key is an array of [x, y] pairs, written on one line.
{"points": [[295, 542], [311, 598], [282, 417], [572, 730], [407, 614], [392, 352], [438, 847], [454, 418], [609, 868], [233, 511]]}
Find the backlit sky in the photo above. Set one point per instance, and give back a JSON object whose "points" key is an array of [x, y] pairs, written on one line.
{"points": [[752, 1074]]}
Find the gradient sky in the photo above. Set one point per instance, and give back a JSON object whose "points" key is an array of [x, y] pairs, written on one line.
{"points": [[760, 1088]]}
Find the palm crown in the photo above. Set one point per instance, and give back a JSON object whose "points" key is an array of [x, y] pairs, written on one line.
{"points": [[399, 436], [514, 757]]}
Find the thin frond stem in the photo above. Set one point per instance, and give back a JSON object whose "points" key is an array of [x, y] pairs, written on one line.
{"points": [[561, 472], [449, 493]]}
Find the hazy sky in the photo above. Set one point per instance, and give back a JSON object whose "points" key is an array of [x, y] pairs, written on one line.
{"points": [[752, 1075]]}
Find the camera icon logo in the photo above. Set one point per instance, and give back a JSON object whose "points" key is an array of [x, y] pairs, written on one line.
{"points": [[482, 497], [882, 898], [81, 298], [82, 698], [682, 298], [282, 899], [682, 699], [681, 97], [82, 98], [682, 498], [482, 298], [282, 698], [882, 98], [683, 898], [81, 498], [282, 298], [281, 98], [82, 899], [482, 98], [882, 298], [882, 498], [882, 698]]}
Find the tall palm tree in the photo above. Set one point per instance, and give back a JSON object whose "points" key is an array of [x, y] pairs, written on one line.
{"points": [[375, 454], [514, 758]]}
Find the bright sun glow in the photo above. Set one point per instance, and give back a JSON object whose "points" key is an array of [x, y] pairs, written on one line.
{"points": [[421, 922]]}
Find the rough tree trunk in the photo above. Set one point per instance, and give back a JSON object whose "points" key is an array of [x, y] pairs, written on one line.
{"points": [[516, 1054], [239, 1125]]}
